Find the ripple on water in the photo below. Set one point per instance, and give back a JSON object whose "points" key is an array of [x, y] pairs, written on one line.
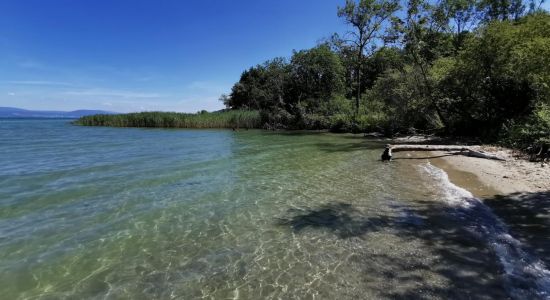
{"points": [[112, 213]]}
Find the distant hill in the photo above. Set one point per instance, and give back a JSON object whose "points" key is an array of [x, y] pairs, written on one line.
{"points": [[11, 112]]}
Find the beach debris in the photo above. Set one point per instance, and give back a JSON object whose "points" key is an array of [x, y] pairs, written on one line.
{"points": [[472, 151]]}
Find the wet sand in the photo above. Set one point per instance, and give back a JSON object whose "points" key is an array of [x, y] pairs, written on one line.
{"points": [[487, 178]]}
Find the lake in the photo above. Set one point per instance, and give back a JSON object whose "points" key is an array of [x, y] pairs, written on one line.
{"points": [[126, 213]]}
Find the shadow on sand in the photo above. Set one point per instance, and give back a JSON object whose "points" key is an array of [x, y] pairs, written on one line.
{"points": [[527, 216], [468, 264]]}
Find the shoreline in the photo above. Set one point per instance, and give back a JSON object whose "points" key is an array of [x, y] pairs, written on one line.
{"points": [[488, 178], [516, 190]]}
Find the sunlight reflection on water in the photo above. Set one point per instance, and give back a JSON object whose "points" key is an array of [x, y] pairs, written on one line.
{"points": [[140, 213]]}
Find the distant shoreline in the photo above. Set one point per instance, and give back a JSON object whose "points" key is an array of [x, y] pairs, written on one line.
{"points": [[38, 118]]}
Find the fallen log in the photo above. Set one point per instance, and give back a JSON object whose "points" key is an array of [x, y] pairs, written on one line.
{"points": [[464, 150], [399, 148]]}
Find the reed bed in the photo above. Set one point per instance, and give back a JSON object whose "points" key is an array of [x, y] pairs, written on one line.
{"points": [[222, 119]]}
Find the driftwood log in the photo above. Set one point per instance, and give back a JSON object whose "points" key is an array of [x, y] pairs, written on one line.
{"points": [[465, 150]]}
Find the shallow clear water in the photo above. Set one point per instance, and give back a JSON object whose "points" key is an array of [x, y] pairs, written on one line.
{"points": [[110, 213]]}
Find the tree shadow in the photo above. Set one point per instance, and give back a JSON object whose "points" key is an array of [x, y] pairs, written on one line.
{"points": [[456, 235], [527, 216], [341, 218]]}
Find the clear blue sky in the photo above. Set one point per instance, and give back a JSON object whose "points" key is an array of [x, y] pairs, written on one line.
{"points": [[133, 55]]}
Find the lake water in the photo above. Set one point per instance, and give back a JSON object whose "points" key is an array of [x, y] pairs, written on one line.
{"points": [[121, 213]]}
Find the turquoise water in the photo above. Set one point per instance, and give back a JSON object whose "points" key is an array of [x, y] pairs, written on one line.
{"points": [[122, 213]]}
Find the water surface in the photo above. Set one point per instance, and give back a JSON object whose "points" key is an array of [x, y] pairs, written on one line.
{"points": [[111, 213]]}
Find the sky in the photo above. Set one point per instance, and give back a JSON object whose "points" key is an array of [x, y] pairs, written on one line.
{"points": [[137, 55], [134, 55]]}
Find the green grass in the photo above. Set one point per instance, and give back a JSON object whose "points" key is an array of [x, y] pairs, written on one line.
{"points": [[223, 119]]}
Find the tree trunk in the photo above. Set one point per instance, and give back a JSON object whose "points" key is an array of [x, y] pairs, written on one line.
{"points": [[430, 92], [358, 96], [359, 61], [465, 150]]}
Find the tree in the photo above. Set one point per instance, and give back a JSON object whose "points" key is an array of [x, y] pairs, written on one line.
{"points": [[458, 18], [347, 56], [502, 9], [317, 74], [501, 76], [536, 6], [424, 41], [381, 61], [261, 87], [368, 18], [226, 100]]}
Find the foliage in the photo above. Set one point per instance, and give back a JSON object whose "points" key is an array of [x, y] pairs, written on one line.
{"points": [[384, 59], [502, 9], [313, 76], [261, 87], [499, 77], [316, 75], [534, 130], [402, 100], [367, 17]]}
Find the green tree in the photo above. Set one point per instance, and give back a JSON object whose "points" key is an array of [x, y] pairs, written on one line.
{"points": [[398, 91], [368, 18], [424, 40], [500, 77], [502, 9], [348, 57], [382, 60], [458, 18], [317, 75], [261, 87]]}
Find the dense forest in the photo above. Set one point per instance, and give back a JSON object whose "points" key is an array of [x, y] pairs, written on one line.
{"points": [[478, 68], [457, 67]]}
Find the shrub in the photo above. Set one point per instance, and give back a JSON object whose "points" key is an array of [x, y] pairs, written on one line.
{"points": [[534, 130]]}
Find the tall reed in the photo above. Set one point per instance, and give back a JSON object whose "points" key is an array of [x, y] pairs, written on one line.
{"points": [[222, 119]]}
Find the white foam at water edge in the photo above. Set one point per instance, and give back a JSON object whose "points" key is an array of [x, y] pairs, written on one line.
{"points": [[527, 276]]}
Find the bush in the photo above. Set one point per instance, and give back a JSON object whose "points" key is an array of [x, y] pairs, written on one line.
{"points": [[340, 123], [375, 121], [534, 130], [276, 118]]}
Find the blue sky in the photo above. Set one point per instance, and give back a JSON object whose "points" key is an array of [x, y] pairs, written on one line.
{"points": [[136, 55], [132, 55]]}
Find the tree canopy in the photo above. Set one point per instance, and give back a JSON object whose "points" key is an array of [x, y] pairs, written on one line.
{"points": [[461, 67]]}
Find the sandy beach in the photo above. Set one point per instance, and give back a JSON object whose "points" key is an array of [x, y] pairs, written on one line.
{"points": [[485, 178], [516, 190]]}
